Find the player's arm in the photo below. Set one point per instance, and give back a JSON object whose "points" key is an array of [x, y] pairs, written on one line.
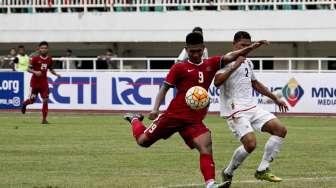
{"points": [[158, 100], [31, 70], [259, 87], [52, 71], [221, 77], [232, 56]]}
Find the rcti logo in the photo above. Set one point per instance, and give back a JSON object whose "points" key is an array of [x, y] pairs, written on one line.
{"points": [[292, 92]]}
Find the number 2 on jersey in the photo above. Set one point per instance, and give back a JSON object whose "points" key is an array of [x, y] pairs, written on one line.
{"points": [[246, 70], [200, 77]]}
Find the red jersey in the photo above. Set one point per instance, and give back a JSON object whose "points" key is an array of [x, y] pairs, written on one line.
{"points": [[185, 75], [39, 63]]}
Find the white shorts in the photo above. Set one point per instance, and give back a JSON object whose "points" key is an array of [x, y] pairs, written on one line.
{"points": [[249, 121]]}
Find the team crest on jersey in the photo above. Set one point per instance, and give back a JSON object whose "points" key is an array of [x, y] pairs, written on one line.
{"points": [[44, 66], [208, 69]]}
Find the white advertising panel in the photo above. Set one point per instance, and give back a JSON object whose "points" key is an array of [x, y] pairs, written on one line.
{"points": [[303, 92]]}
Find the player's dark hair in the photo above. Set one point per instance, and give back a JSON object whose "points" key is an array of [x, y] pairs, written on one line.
{"points": [[198, 29], [241, 35], [109, 50], [194, 38], [69, 50], [21, 46], [43, 43]]}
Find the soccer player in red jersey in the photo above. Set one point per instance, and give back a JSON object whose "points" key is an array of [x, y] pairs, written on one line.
{"points": [[39, 66], [179, 117]]}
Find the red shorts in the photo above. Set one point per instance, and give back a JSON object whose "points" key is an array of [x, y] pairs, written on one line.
{"points": [[44, 92], [163, 127]]}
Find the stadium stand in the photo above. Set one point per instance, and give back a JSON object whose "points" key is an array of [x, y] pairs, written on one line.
{"points": [[38, 6]]}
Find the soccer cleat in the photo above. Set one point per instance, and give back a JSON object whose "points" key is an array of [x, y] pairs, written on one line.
{"points": [[267, 176], [130, 116], [23, 108], [219, 185], [44, 122], [226, 178]]}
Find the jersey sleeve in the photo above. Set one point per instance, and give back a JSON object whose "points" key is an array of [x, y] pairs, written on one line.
{"points": [[173, 75], [32, 61], [215, 62]]}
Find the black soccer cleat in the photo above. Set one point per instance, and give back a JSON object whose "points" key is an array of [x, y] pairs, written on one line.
{"points": [[130, 116], [226, 178], [23, 108], [44, 122]]}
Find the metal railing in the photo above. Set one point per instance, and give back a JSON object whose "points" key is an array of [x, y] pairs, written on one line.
{"points": [[279, 64], [32, 6]]}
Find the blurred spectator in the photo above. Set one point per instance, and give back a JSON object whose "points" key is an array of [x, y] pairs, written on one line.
{"points": [[21, 61], [184, 55], [104, 61], [35, 53], [7, 62], [73, 64]]}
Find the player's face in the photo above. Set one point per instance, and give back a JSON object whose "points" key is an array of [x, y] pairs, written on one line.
{"points": [[43, 50], [195, 53], [242, 43]]}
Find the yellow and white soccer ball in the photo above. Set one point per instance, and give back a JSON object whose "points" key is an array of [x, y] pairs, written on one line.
{"points": [[197, 98]]}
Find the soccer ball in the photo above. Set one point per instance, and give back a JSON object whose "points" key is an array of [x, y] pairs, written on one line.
{"points": [[197, 98]]}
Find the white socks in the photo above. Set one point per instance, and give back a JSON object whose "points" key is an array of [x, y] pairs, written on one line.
{"points": [[272, 148], [210, 183], [238, 157]]}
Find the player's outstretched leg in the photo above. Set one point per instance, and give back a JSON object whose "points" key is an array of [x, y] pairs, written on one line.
{"points": [[239, 155], [25, 103], [272, 147], [138, 129]]}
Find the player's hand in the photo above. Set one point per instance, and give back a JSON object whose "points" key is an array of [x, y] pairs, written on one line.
{"points": [[260, 43], [38, 73], [153, 115], [282, 105]]}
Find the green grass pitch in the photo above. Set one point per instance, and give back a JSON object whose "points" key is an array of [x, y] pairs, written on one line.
{"points": [[89, 151]]}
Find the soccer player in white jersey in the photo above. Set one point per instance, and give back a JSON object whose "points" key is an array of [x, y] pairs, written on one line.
{"points": [[236, 81]]}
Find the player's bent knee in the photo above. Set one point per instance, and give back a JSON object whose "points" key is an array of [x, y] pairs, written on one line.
{"points": [[282, 132], [143, 141], [251, 146], [144, 144]]}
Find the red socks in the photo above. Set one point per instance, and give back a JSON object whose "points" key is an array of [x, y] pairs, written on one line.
{"points": [[207, 166], [137, 128], [45, 111]]}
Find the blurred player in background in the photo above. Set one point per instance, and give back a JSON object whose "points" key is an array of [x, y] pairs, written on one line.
{"points": [[238, 107], [184, 55], [39, 66], [179, 117]]}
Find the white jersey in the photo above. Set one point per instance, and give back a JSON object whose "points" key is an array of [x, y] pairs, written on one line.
{"points": [[236, 91], [184, 55]]}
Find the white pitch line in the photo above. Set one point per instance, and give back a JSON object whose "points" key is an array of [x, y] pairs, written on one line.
{"points": [[256, 181]]}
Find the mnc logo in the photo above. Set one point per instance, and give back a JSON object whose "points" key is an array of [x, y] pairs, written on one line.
{"points": [[292, 92]]}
